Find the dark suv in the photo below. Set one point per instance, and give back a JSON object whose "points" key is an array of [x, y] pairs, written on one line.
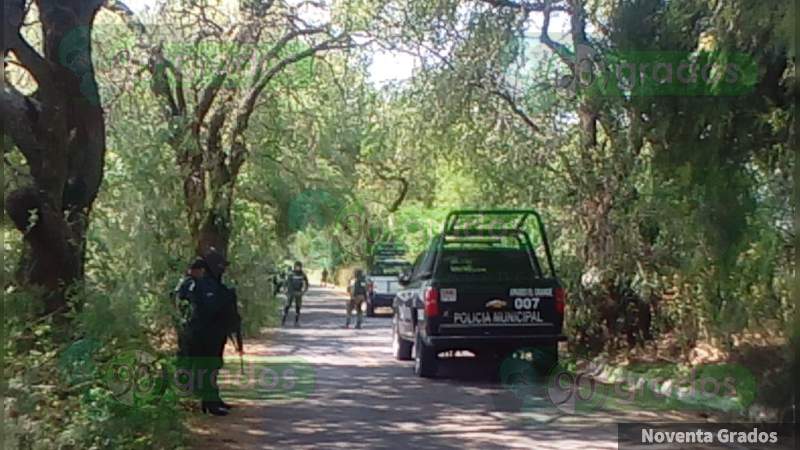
{"points": [[484, 287]]}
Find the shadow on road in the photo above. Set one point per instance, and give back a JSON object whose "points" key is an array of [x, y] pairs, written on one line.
{"points": [[363, 398]]}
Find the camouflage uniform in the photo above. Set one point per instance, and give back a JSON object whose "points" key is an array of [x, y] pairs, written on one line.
{"points": [[357, 289], [296, 286]]}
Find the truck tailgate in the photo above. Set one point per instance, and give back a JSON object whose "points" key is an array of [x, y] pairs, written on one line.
{"points": [[385, 285], [498, 309]]}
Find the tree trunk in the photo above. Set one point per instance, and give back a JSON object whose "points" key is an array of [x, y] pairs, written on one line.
{"points": [[596, 204], [219, 117], [60, 130], [215, 232], [50, 261], [216, 226], [194, 192]]}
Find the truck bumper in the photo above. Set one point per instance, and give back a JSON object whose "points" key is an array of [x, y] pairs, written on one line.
{"points": [[454, 342], [380, 300]]}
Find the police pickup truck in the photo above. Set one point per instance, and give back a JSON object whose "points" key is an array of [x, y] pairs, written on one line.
{"points": [[383, 283], [483, 286]]}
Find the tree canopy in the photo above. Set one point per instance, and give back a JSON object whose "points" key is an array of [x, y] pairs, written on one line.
{"points": [[658, 139]]}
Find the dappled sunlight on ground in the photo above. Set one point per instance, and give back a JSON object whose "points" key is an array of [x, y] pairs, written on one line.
{"points": [[362, 398]]}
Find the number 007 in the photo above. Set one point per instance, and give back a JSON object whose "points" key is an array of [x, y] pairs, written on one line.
{"points": [[526, 303]]}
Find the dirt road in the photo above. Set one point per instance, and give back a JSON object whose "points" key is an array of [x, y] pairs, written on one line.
{"points": [[361, 398]]}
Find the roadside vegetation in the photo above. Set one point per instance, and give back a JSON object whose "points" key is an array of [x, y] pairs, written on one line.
{"points": [[132, 141]]}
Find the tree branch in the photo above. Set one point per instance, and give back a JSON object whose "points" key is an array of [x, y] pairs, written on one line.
{"points": [[246, 108], [256, 75], [214, 141], [506, 97], [207, 99], [157, 65], [558, 48], [180, 93], [524, 6], [19, 114], [13, 16], [128, 17], [401, 196]]}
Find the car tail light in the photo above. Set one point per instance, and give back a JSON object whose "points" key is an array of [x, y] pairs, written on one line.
{"points": [[561, 300], [370, 287], [431, 302]]}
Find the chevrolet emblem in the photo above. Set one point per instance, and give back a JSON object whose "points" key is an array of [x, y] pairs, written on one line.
{"points": [[496, 304]]}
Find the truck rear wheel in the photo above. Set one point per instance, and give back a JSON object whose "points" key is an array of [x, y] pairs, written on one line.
{"points": [[528, 367], [370, 309], [425, 362], [545, 358], [494, 359]]}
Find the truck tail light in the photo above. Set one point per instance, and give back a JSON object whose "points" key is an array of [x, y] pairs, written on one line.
{"points": [[561, 300], [431, 302]]}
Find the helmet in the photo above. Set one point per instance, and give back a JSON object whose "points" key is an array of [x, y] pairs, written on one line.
{"points": [[216, 261]]}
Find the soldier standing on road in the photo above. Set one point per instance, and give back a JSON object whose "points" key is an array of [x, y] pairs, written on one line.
{"points": [[325, 277], [296, 286], [357, 288]]}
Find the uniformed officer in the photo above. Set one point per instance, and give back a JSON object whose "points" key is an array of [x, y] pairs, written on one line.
{"points": [[212, 319], [183, 306], [324, 277], [296, 286], [357, 288], [228, 319]]}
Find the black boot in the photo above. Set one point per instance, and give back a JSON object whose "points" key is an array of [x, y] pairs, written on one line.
{"points": [[213, 408]]}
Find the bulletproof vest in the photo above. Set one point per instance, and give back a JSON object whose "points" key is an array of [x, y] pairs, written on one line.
{"points": [[204, 296], [296, 281], [360, 286]]}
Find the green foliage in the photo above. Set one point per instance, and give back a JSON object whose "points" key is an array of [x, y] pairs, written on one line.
{"points": [[255, 253], [686, 200]]}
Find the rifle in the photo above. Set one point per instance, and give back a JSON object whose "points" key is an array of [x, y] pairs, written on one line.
{"points": [[240, 347], [236, 338]]}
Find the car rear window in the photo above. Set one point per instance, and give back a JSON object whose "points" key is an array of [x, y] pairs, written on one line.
{"points": [[389, 269], [485, 264]]}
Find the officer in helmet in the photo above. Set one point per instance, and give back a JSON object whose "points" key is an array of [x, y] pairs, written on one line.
{"points": [[296, 286]]}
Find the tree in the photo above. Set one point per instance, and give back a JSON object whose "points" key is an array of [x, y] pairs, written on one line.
{"points": [[208, 93], [614, 167], [60, 131]]}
